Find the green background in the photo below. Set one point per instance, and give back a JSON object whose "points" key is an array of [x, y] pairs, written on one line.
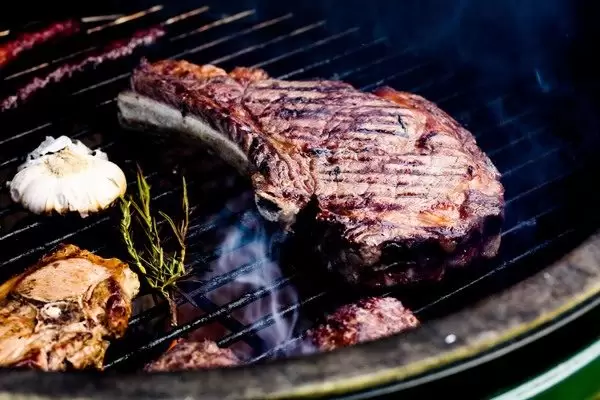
{"points": [[577, 378]]}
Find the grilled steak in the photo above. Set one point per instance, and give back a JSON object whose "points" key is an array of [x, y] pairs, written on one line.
{"points": [[188, 355], [395, 190], [59, 313], [369, 319]]}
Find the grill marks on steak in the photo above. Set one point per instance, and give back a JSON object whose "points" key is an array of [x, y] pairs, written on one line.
{"points": [[384, 168]]}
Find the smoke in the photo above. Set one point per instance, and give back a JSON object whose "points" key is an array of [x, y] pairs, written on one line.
{"points": [[498, 40], [250, 243]]}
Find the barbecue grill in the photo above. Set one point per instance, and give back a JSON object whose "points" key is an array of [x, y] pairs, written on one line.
{"points": [[518, 76]]}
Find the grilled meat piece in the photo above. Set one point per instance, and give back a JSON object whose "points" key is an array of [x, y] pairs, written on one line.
{"points": [[394, 189], [27, 41], [188, 355], [59, 313], [113, 51], [369, 319]]}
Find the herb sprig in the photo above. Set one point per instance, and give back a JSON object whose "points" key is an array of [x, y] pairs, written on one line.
{"points": [[162, 268]]}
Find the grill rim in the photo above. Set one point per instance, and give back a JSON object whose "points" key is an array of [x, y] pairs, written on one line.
{"points": [[403, 360]]}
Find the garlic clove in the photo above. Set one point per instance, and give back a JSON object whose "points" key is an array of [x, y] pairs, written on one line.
{"points": [[63, 176]]}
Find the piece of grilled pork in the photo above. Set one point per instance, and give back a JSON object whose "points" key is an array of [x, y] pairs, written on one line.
{"points": [[396, 189], [59, 314]]}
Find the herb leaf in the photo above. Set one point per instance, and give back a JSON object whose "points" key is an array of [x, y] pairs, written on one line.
{"points": [[162, 269]]}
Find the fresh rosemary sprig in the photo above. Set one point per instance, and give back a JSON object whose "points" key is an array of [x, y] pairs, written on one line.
{"points": [[161, 268]]}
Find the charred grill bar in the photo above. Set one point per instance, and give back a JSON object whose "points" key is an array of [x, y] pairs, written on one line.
{"points": [[539, 170]]}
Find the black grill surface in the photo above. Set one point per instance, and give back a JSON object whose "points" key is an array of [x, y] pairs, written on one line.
{"points": [[516, 124]]}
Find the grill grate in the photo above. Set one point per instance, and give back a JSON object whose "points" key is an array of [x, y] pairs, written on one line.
{"points": [[537, 165]]}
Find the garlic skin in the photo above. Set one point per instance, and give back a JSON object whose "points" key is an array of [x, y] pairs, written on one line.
{"points": [[62, 176]]}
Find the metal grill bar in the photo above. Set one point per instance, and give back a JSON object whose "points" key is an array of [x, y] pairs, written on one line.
{"points": [[266, 321], [295, 341], [506, 121], [207, 287], [201, 29], [241, 52], [178, 18], [185, 15], [189, 265], [540, 186], [511, 171], [204, 28], [514, 143], [30, 131], [15, 159], [504, 265], [225, 318], [126, 18], [364, 72], [531, 221], [264, 44], [529, 162], [380, 82], [364, 67], [270, 319], [116, 22], [36, 224], [49, 63], [434, 82], [222, 21], [306, 48], [233, 35], [103, 83], [39, 223], [51, 243], [325, 61], [206, 319]]}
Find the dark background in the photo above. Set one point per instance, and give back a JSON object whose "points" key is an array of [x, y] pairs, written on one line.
{"points": [[551, 40], [506, 37]]}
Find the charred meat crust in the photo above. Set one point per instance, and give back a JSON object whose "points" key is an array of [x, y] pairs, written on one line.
{"points": [[404, 262], [368, 319], [402, 191], [188, 355]]}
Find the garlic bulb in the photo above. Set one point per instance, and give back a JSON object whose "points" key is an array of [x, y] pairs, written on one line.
{"points": [[62, 175]]}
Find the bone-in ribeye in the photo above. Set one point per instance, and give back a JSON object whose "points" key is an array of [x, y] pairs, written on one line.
{"points": [[395, 189]]}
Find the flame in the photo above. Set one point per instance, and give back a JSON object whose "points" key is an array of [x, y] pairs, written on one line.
{"points": [[173, 344]]}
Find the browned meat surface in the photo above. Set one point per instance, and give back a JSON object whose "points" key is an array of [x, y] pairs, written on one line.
{"points": [[9, 51], [188, 355], [369, 319], [113, 51], [395, 188], [59, 314]]}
